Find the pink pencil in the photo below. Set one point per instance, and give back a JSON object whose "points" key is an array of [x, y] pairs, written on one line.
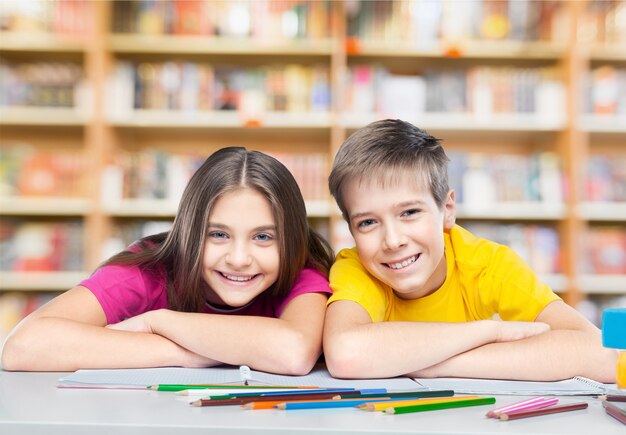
{"points": [[525, 405]]}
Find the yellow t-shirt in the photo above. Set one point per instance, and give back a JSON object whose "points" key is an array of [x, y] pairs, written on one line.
{"points": [[483, 278]]}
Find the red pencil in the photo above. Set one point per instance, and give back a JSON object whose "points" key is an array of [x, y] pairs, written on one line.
{"points": [[614, 412], [614, 397], [544, 411]]}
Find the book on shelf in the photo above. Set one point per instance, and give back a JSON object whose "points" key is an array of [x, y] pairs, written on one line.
{"points": [[606, 90], [482, 91], [60, 174], [259, 20], [606, 178], [423, 24], [482, 180], [65, 18], [39, 83], [606, 247], [196, 87], [538, 245], [29, 245]]}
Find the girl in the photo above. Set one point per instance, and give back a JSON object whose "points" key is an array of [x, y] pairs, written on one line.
{"points": [[241, 278]]}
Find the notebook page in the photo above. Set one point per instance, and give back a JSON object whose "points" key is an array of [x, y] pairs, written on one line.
{"points": [[567, 387], [153, 376], [320, 377], [140, 378]]}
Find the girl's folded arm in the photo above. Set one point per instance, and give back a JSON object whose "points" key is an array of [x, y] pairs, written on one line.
{"points": [[290, 344], [68, 333]]}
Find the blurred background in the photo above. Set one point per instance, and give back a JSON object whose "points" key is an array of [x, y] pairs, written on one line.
{"points": [[107, 108]]}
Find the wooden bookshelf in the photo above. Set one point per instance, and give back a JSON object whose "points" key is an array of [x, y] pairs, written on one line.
{"points": [[104, 135]]}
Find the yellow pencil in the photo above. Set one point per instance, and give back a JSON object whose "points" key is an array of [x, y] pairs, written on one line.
{"points": [[381, 406]]}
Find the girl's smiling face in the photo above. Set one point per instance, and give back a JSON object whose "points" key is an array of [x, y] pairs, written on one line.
{"points": [[398, 230], [241, 255]]}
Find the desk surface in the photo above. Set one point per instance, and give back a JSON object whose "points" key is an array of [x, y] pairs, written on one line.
{"points": [[30, 403]]}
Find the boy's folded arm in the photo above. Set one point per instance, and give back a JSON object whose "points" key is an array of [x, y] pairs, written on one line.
{"points": [[68, 334], [572, 348], [354, 347]]}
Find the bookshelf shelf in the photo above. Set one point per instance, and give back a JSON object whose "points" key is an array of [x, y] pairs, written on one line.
{"points": [[40, 281], [602, 284], [41, 42], [604, 123], [603, 211], [220, 119], [467, 122], [515, 211], [610, 52], [159, 208], [21, 206], [42, 116], [191, 45], [471, 50]]}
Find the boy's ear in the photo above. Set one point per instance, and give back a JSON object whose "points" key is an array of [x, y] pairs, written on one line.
{"points": [[449, 210]]}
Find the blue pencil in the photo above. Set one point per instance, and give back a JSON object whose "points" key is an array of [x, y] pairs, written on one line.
{"points": [[328, 404]]}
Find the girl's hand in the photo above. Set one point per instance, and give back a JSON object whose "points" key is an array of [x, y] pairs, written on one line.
{"points": [[140, 323], [193, 360], [512, 331]]}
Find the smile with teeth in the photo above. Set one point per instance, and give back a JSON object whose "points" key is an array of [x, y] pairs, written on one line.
{"points": [[237, 277], [402, 264]]}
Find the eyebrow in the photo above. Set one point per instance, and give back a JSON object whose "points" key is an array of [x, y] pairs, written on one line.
{"points": [[398, 205], [226, 227]]}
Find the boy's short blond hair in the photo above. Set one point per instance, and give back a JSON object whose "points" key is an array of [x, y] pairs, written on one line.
{"points": [[385, 150]]}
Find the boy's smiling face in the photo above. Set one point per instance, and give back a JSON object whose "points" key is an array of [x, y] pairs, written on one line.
{"points": [[398, 230]]}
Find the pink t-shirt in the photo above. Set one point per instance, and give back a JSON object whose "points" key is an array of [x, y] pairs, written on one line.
{"points": [[127, 291]]}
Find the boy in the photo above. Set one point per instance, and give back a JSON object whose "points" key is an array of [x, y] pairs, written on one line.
{"points": [[417, 294]]}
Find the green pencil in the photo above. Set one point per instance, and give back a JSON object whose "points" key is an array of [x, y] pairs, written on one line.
{"points": [[398, 394], [437, 406]]}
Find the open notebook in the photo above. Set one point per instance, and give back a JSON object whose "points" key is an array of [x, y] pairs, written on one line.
{"points": [[141, 378], [577, 386]]}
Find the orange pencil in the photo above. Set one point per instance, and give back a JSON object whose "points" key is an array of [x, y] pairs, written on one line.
{"points": [[272, 404]]}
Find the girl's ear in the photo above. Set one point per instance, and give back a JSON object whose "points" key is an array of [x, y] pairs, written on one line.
{"points": [[449, 210]]}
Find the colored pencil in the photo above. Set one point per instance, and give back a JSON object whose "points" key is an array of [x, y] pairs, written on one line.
{"points": [[615, 412], [242, 400], [342, 403], [525, 405], [438, 406], [337, 392], [409, 394], [544, 411], [615, 408], [614, 397], [381, 406]]}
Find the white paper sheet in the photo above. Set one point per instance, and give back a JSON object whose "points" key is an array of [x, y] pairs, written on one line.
{"points": [[140, 378], [570, 387]]}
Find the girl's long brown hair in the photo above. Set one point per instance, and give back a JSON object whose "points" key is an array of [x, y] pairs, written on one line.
{"points": [[179, 252]]}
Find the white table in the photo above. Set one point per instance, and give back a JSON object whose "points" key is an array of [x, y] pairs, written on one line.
{"points": [[30, 403]]}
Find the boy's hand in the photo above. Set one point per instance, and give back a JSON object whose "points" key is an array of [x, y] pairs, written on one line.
{"points": [[512, 331]]}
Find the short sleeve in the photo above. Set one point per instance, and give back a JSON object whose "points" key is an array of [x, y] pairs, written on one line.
{"points": [[309, 280], [350, 281], [511, 288], [126, 291]]}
